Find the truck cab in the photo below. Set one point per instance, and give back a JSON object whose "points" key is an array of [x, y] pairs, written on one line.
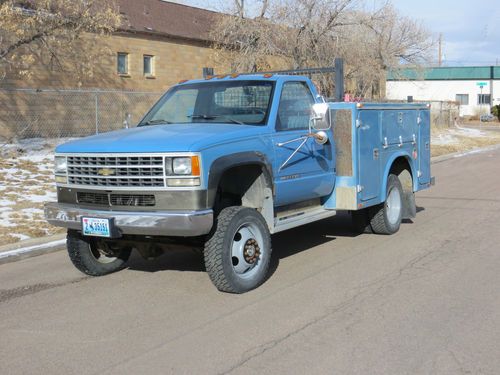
{"points": [[224, 162]]}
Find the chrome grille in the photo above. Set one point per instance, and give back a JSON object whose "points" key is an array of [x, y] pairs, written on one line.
{"points": [[92, 198], [132, 200], [116, 171], [103, 199]]}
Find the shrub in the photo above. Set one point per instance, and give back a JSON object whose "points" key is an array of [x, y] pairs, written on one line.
{"points": [[496, 110]]}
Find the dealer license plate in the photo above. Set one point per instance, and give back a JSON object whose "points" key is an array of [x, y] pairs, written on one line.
{"points": [[93, 226]]}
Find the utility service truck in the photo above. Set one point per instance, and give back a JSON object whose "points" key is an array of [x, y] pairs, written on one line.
{"points": [[224, 162]]}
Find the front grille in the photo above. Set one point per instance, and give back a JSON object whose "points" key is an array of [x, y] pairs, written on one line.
{"points": [[93, 198], [132, 200], [116, 171], [103, 199]]}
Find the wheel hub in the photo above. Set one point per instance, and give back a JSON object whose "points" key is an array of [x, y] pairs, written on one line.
{"points": [[251, 251]]}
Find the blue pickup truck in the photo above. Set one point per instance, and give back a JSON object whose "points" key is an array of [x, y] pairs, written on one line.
{"points": [[224, 162]]}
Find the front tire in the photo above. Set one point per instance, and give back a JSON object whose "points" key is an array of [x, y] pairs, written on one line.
{"points": [[238, 253], [387, 217], [93, 257]]}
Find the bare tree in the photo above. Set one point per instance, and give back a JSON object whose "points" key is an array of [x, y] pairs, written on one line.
{"points": [[308, 33], [59, 33]]}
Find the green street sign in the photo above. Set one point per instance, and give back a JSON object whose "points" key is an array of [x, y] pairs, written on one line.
{"points": [[482, 84]]}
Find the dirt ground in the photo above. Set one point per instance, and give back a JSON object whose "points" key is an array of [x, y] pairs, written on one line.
{"points": [[462, 139]]}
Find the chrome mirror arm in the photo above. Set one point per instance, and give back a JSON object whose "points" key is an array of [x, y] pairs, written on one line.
{"points": [[304, 140]]}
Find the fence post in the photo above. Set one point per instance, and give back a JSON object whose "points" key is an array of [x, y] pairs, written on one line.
{"points": [[207, 72], [339, 79], [96, 114]]}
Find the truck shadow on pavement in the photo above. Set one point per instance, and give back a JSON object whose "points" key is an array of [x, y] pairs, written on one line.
{"points": [[284, 244]]}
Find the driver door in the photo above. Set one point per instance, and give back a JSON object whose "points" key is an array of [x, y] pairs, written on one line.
{"points": [[303, 169]]}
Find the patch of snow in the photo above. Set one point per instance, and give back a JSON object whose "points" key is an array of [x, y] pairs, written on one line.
{"points": [[20, 236], [6, 220], [468, 132], [6, 202], [443, 139]]}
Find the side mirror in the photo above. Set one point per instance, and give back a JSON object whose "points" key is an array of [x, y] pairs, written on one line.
{"points": [[321, 116]]}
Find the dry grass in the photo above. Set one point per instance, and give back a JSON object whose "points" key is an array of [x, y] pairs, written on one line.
{"points": [[462, 143]]}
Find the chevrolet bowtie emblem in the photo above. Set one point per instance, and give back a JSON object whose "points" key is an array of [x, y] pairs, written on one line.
{"points": [[106, 172]]}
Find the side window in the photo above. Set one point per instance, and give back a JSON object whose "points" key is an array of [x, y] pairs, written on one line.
{"points": [[294, 111], [122, 63]]}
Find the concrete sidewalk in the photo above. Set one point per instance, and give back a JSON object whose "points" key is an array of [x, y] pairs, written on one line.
{"points": [[38, 246]]}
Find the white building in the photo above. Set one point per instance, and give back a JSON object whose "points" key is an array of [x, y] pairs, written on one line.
{"points": [[475, 88]]}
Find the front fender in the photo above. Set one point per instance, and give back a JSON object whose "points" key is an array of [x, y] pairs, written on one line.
{"points": [[224, 163]]}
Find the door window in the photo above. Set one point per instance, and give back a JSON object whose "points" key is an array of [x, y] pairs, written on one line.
{"points": [[294, 111]]}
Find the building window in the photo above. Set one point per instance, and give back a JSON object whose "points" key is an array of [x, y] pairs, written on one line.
{"points": [[122, 63], [149, 65], [483, 98], [462, 99]]}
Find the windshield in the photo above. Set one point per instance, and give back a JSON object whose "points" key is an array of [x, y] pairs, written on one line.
{"points": [[234, 102]]}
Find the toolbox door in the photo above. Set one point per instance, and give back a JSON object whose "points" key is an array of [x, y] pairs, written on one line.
{"points": [[424, 148], [398, 126], [368, 153]]}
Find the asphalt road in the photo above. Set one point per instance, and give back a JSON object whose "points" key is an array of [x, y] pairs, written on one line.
{"points": [[424, 301]]}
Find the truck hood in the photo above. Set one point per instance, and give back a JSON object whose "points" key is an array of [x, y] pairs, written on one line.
{"points": [[162, 138]]}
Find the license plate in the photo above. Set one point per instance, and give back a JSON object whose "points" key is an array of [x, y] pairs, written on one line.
{"points": [[94, 226]]}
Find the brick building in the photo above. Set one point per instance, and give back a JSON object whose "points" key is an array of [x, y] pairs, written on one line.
{"points": [[158, 44]]}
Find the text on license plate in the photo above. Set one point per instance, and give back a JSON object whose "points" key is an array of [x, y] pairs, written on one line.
{"points": [[93, 226]]}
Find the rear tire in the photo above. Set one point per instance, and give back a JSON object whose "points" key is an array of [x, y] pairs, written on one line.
{"points": [[238, 253], [91, 257], [360, 220], [387, 216]]}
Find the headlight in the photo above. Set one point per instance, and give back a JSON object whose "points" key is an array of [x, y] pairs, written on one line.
{"points": [[188, 165], [181, 165], [60, 164]]}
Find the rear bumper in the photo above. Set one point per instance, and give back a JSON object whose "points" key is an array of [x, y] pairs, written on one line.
{"points": [[157, 223]]}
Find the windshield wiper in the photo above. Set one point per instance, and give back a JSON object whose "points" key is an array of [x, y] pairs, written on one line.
{"points": [[156, 121], [213, 117]]}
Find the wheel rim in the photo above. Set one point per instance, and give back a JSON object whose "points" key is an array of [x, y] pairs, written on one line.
{"points": [[247, 250], [393, 206], [100, 255]]}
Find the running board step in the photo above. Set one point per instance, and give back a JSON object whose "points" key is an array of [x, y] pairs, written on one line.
{"points": [[297, 219]]}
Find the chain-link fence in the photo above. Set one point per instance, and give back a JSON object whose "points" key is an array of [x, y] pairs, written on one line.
{"points": [[444, 113], [29, 113]]}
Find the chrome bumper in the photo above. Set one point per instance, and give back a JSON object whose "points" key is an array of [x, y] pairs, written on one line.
{"points": [[162, 223]]}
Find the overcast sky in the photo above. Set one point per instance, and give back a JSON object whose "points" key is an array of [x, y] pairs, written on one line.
{"points": [[470, 28]]}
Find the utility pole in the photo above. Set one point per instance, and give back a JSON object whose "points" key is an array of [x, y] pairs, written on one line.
{"points": [[440, 49]]}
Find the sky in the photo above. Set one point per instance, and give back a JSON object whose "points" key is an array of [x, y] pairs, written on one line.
{"points": [[470, 29]]}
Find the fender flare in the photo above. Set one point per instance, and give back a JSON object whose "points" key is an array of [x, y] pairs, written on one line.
{"points": [[224, 163]]}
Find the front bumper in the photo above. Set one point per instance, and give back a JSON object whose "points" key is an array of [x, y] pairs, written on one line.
{"points": [[152, 223]]}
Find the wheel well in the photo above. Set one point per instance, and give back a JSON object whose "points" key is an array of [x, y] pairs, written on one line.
{"points": [[244, 185], [401, 168]]}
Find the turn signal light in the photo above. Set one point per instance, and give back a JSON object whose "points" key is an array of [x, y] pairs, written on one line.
{"points": [[195, 166]]}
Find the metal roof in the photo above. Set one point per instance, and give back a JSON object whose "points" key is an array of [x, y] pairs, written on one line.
{"points": [[459, 73]]}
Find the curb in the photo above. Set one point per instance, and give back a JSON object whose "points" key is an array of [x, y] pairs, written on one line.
{"points": [[31, 248], [441, 158], [45, 245]]}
